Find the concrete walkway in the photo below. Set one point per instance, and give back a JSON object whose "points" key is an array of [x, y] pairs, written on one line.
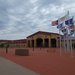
{"points": [[10, 68]]}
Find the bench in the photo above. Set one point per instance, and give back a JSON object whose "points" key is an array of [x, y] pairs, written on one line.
{"points": [[22, 52]]}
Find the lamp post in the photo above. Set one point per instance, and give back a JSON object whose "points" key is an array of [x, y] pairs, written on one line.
{"points": [[7, 48], [33, 43]]}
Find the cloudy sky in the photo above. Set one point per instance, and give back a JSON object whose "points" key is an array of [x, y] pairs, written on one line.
{"points": [[21, 18]]}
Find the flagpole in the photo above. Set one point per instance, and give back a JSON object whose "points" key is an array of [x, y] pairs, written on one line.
{"points": [[71, 41], [68, 44], [71, 47], [60, 38], [60, 43], [60, 34], [68, 37], [65, 44], [74, 27]]}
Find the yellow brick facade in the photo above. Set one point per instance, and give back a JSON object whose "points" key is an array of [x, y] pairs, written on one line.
{"points": [[41, 39]]}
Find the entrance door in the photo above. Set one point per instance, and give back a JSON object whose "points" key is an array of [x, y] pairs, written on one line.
{"points": [[53, 42], [32, 43], [39, 42], [46, 42]]}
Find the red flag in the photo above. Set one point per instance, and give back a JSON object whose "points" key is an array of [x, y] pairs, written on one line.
{"points": [[54, 23]]}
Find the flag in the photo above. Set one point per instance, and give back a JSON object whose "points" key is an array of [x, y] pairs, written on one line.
{"points": [[67, 22], [65, 35], [71, 33], [62, 28], [71, 27], [70, 21], [62, 36], [60, 25], [64, 17], [54, 23], [64, 31]]}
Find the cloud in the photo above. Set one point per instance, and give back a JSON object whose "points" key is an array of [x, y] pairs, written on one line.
{"points": [[21, 18]]}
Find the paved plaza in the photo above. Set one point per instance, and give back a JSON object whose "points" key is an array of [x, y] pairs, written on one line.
{"points": [[44, 61], [10, 68]]}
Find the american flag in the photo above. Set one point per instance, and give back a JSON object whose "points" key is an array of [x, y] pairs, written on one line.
{"points": [[54, 23]]}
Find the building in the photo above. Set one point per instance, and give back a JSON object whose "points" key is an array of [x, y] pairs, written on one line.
{"points": [[38, 39], [22, 43], [43, 39]]}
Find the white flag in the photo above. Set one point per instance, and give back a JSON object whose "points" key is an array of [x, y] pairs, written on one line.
{"points": [[64, 17]]}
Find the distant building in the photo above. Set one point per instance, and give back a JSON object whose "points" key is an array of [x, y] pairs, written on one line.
{"points": [[22, 43]]}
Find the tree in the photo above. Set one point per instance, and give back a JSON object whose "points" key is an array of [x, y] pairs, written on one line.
{"points": [[2, 45]]}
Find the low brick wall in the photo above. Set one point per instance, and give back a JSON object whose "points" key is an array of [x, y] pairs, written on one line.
{"points": [[23, 52]]}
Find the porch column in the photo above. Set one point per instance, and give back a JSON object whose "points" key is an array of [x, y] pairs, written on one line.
{"points": [[49, 42], [35, 43], [43, 41]]}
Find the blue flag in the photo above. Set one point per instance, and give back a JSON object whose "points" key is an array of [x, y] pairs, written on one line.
{"points": [[71, 32], [60, 25], [70, 21], [64, 31], [71, 27]]}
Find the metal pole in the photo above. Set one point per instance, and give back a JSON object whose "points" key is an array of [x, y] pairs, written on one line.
{"points": [[60, 43], [67, 36], [71, 48], [64, 44]]}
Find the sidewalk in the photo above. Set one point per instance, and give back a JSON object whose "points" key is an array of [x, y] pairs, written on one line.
{"points": [[10, 68]]}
